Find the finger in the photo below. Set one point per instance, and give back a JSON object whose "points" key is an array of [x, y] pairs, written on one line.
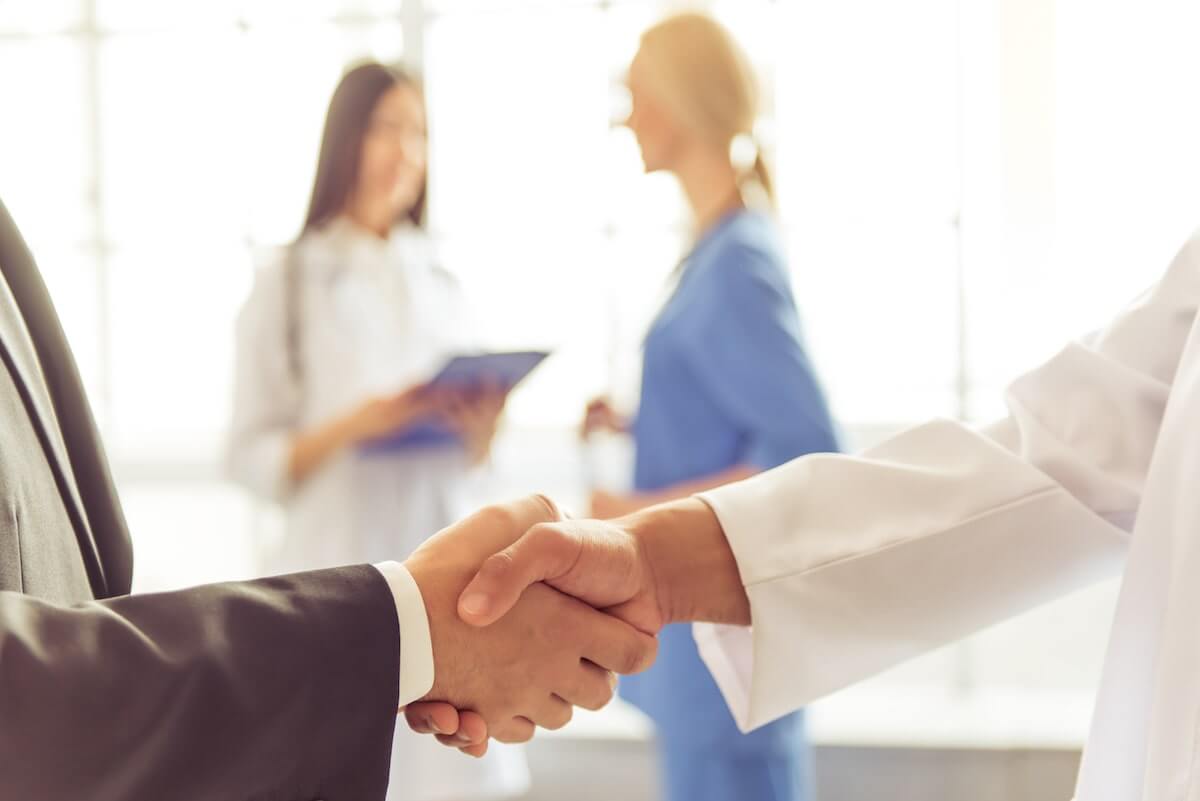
{"points": [[433, 718], [553, 713], [615, 645], [489, 388], [516, 730], [535, 509], [544, 552], [471, 731], [442, 399], [476, 751], [592, 687], [472, 726], [453, 407]]}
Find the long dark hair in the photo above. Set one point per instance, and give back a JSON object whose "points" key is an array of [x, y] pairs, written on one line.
{"points": [[346, 126]]}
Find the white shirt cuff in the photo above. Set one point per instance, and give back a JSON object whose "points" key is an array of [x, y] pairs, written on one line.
{"points": [[416, 648]]}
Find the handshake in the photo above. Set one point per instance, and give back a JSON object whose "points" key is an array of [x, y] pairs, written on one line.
{"points": [[531, 614]]}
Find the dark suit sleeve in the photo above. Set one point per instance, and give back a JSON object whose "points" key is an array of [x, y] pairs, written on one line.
{"points": [[283, 688]]}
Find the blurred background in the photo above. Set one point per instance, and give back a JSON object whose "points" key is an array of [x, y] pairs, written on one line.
{"points": [[964, 185]]}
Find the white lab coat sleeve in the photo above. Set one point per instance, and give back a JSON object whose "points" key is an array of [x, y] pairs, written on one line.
{"points": [[459, 333], [266, 405], [855, 564]]}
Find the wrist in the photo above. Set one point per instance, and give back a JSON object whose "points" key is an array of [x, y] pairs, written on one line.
{"points": [[690, 563], [345, 431]]}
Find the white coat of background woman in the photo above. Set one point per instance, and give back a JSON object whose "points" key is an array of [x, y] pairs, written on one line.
{"points": [[334, 347]]}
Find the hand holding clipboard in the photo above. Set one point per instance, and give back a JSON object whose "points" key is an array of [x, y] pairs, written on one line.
{"points": [[464, 373]]}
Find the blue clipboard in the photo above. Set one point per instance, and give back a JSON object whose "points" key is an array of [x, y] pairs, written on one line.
{"points": [[505, 370]]}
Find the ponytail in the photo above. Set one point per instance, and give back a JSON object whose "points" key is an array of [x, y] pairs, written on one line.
{"points": [[753, 172], [762, 174]]}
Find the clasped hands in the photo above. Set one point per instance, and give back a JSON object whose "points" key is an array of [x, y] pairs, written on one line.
{"points": [[531, 614]]}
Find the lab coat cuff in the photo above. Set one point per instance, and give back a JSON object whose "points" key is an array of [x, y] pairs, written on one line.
{"points": [[728, 652], [416, 647]]}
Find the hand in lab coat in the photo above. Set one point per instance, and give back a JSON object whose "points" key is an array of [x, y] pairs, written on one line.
{"points": [[475, 416], [850, 565], [382, 415], [377, 416]]}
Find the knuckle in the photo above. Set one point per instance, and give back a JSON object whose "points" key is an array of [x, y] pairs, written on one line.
{"points": [[608, 691], [498, 516], [637, 656], [513, 731], [555, 543], [544, 536], [648, 653], [560, 718], [595, 704], [497, 565], [547, 506], [600, 695], [418, 722]]}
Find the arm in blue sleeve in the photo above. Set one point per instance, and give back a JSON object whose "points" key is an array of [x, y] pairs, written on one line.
{"points": [[750, 357]]}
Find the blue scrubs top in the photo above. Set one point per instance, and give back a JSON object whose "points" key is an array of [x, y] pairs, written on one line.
{"points": [[726, 381]]}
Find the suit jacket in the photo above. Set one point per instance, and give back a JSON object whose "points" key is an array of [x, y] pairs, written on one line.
{"points": [[283, 688]]}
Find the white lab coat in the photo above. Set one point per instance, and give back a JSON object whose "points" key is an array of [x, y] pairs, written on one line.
{"points": [[853, 564], [373, 317]]}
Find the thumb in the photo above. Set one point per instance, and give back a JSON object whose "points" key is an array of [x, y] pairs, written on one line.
{"points": [[545, 552]]}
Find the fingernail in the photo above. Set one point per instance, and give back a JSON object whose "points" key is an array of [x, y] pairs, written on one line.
{"points": [[462, 738], [475, 604], [431, 723]]}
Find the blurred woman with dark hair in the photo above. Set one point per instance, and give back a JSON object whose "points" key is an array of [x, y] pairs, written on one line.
{"points": [[333, 348]]}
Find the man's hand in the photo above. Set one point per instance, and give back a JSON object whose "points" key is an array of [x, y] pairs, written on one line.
{"points": [[548, 653], [667, 564], [599, 562]]}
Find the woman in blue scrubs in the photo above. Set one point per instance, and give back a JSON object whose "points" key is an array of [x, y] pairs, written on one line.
{"points": [[727, 388]]}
